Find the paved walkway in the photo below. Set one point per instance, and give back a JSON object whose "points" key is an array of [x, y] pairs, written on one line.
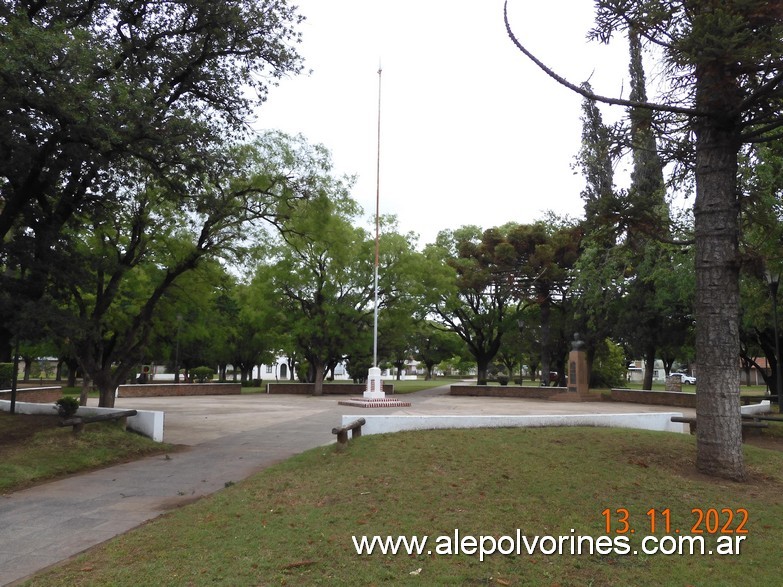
{"points": [[226, 438]]}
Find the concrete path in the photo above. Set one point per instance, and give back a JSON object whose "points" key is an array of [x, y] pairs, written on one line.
{"points": [[226, 439]]}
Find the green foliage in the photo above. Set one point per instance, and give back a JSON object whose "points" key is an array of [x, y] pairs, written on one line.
{"points": [[320, 272], [481, 282], [67, 406], [6, 375], [609, 366], [433, 344], [117, 127], [202, 374]]}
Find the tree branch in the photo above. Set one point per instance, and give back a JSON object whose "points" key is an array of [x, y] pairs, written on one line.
{"points": [[589, 94]]}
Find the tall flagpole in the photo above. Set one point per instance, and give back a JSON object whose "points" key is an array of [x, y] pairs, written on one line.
{"points": [[377, 223], [374, 390], [374, 396]]}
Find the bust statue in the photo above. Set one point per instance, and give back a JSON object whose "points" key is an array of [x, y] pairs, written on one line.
{"points": [[578, 344]]}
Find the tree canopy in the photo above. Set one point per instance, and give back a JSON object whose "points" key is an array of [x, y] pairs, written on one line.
{"points": [[90, 90]]}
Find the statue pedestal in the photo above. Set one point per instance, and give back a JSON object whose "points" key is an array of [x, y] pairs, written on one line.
{"points": [[374, 396], [578, 375], [374, 385]]}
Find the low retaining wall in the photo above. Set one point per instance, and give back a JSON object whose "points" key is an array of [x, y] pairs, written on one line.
{"points": [[36, 395], [393, 423], [177, 389], [146, 422], [654, 398], [329, 388], [507, 391], [763, 407]]}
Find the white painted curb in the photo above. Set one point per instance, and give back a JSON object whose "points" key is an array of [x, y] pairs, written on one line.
{"points": [[645, 421]]}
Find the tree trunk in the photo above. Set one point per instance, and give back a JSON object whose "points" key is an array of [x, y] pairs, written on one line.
{"points": [[318, 371], [545, 338], [716, 214], [482, 366], [85, 391], [430, 367], [106, 386], [28, 364], [649, 368], [73, 368]]}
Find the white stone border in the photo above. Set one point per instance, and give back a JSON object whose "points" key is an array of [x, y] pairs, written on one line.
{"points": [[146, 422], [397, 423], [381, 424]]}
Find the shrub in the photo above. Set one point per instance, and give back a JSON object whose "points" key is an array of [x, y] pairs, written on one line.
{"points": [[202, 374], [503, 379], [67, 406], [6, 375], [609, 365]]}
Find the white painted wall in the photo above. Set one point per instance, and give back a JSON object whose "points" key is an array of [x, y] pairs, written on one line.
{"points": [[381, 424]]}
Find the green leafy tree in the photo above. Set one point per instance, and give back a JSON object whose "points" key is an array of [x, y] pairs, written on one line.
{"points": [[601, 268], [761, 245], [723, 61], [320, 271], [546, 254], [472, 289], [131, 257], [433, 345], [90, 87]]}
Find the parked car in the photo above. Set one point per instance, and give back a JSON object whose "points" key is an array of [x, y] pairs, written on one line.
{"points": [[685, 378]]}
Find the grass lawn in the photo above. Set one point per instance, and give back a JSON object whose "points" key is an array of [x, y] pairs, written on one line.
{"points": [[293, 523], [35, 449]]}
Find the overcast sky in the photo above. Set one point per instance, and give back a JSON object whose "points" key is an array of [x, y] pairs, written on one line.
{"points": [[471, 131]]}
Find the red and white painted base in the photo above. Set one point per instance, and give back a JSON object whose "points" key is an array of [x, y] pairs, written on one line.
{"points": [[381, 402], [374, 396]]}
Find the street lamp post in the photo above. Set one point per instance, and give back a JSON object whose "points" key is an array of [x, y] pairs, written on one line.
{"points": [[773, 279]]}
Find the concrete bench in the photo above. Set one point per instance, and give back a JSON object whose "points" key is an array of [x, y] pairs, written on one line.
{"points": [[746, 424], [355, 427], [78, 422]]}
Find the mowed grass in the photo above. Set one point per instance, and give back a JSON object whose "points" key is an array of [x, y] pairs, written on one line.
{"points": [[34, 449], [293, 523]]}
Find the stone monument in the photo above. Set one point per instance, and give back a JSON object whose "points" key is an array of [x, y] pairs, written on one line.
{"points": [[578, 375]]}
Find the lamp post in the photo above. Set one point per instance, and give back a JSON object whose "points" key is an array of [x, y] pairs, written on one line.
{"points": [[773, 279]]}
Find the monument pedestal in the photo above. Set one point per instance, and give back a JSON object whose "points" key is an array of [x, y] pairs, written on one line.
{"points": [[578, 375], [374, 396]]}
